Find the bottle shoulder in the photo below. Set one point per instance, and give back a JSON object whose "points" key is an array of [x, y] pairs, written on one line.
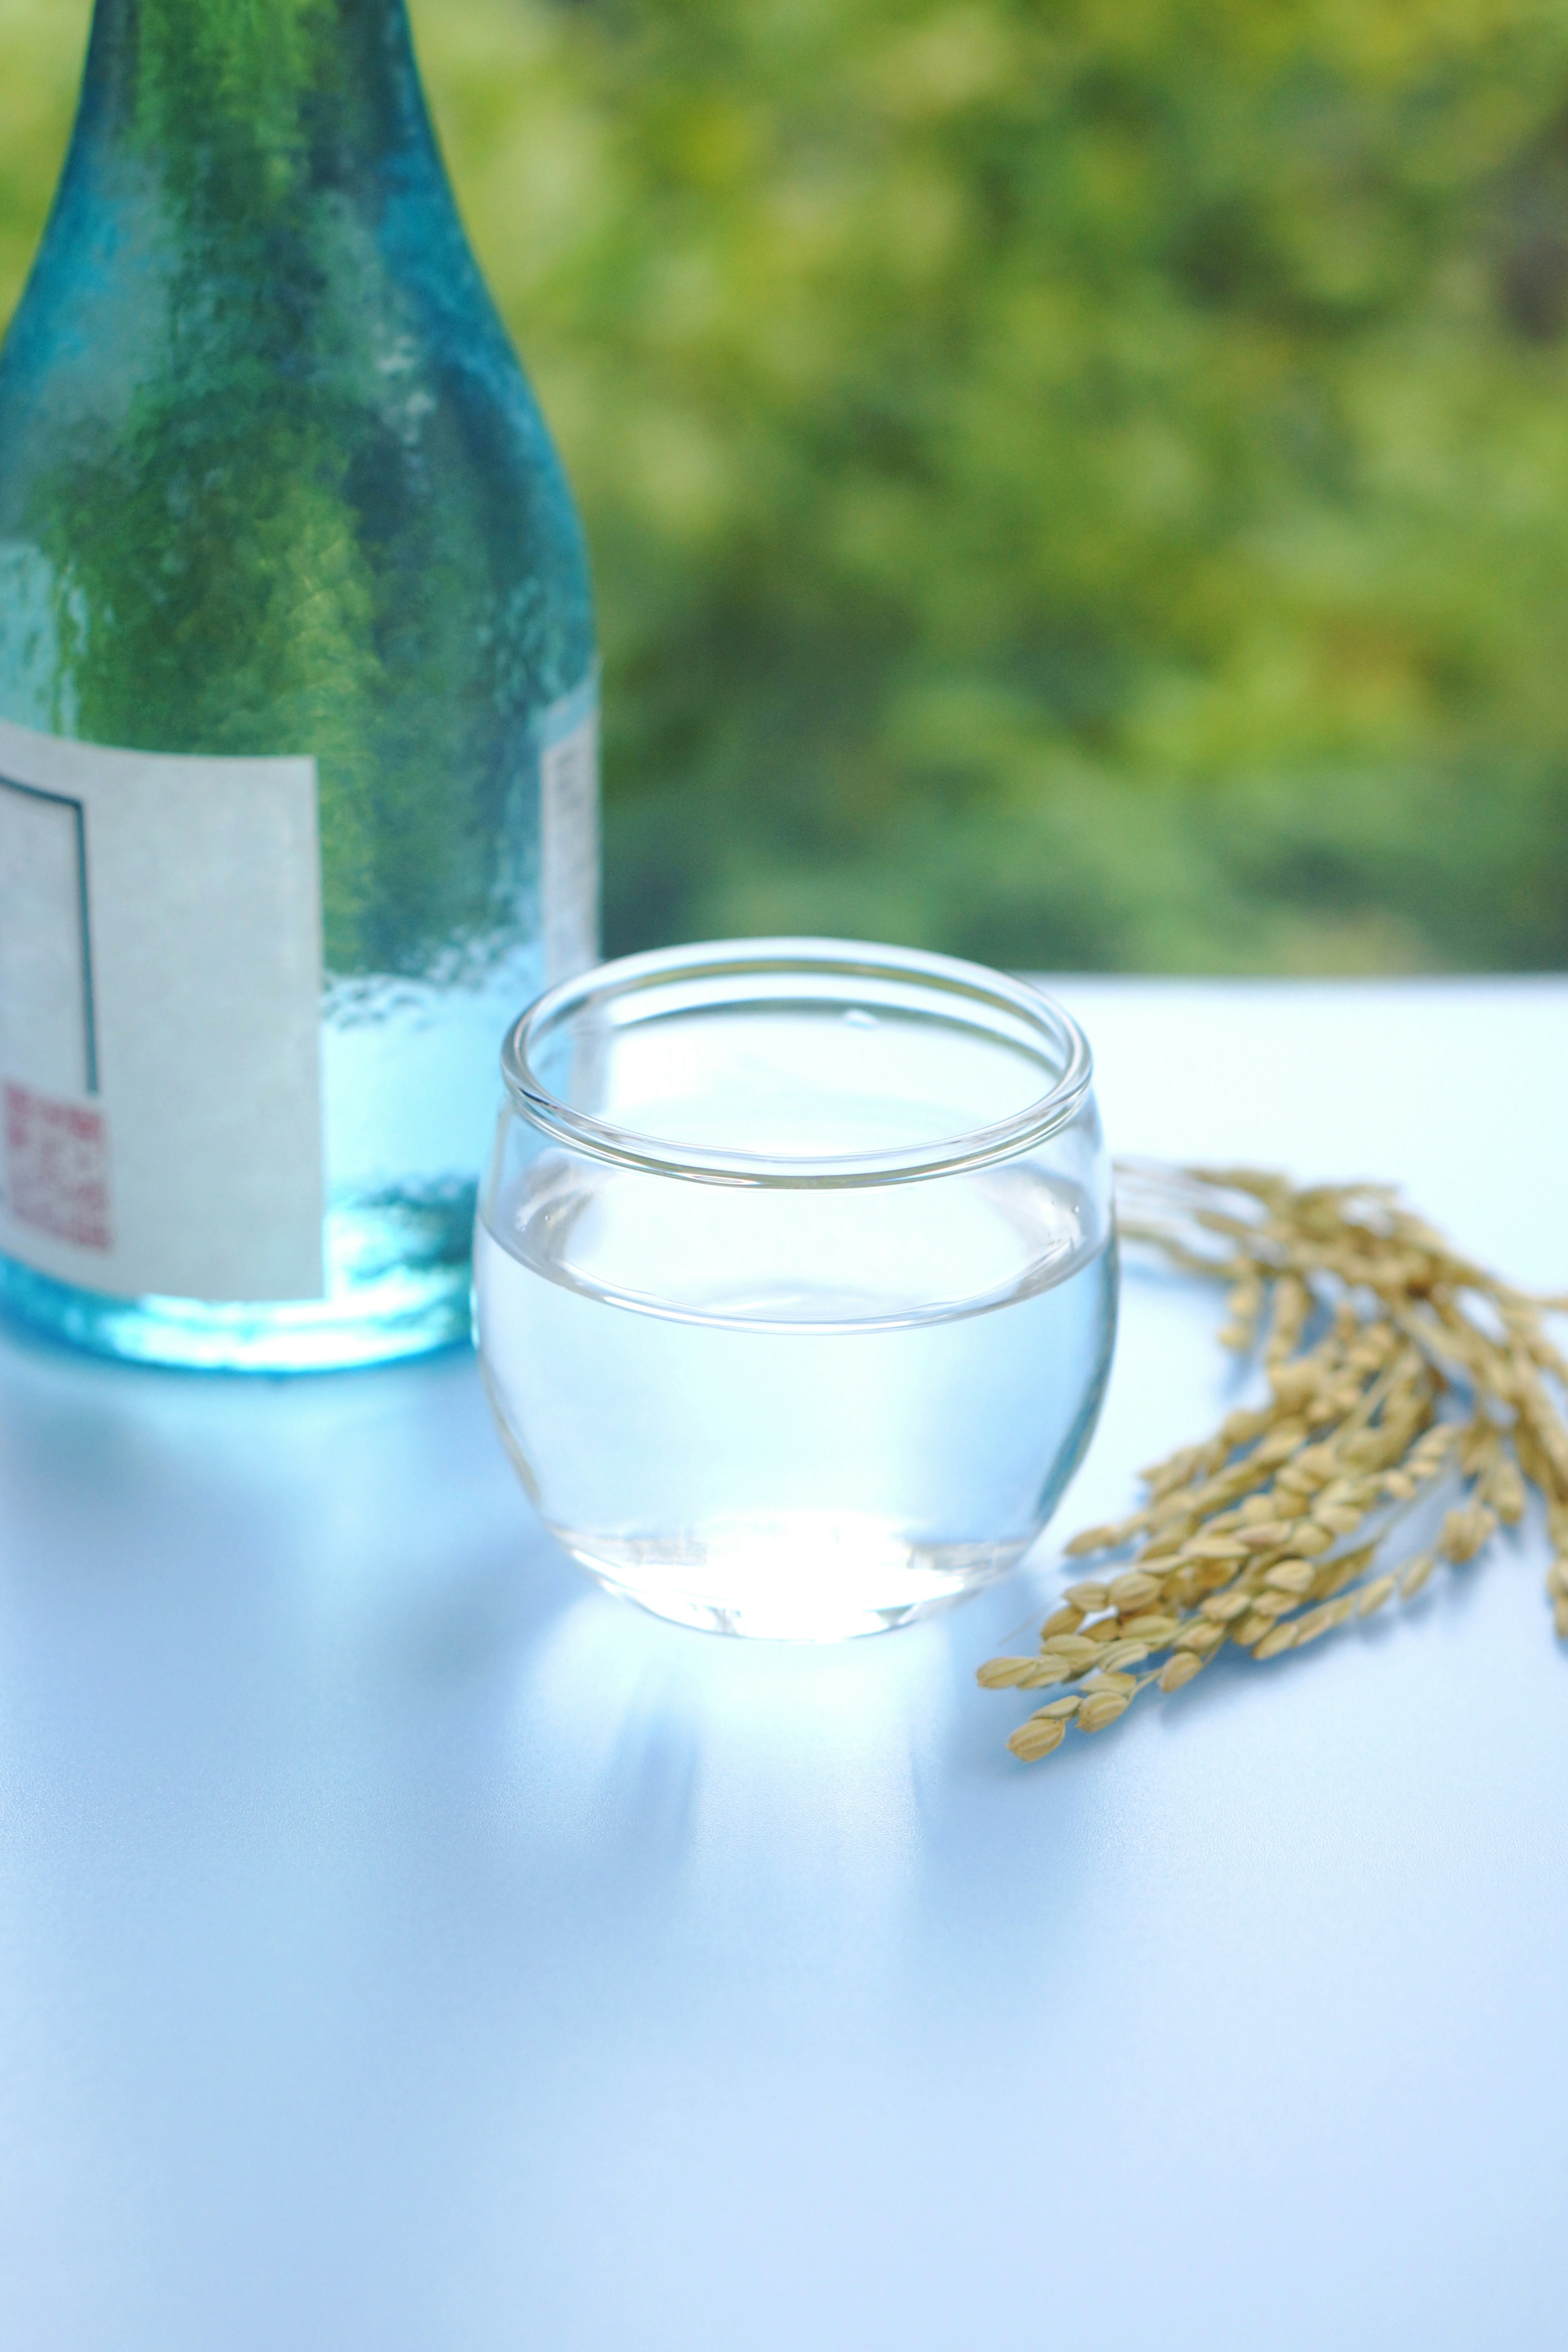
{"points": [[361, 304], [216, 442]]}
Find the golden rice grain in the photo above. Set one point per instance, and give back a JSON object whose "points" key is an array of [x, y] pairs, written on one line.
{"points": [[1467, 1530], [1265, 1535], [1121, 1685], [1505, 1492], [1272, 1605], [1094, 1539], [1004, 1673], [1037, 1737], [1178, 1671], [1290, 1576], [1043, 1672], [1117, 1656], [1073, 1649], [1133, 1590], [1154, 1628], [1062, 1621], [1416, 1574]]}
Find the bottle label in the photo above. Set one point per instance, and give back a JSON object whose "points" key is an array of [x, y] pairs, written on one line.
{"points": [[160, 1008], [569, 833]]}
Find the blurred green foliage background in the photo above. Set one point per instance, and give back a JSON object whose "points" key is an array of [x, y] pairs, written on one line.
{"points": [[1082, 483]]}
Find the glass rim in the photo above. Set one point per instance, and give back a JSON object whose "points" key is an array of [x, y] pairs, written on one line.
{"points": [[974, 985]]}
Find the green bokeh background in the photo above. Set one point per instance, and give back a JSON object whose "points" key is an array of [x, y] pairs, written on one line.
{"points": [[1080, 485]]}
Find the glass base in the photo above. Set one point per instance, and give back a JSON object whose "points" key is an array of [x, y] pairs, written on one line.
{"points": [[397, 1286], [804, 1577]]}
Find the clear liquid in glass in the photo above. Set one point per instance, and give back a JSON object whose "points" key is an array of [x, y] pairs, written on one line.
{"points": [[790, 1415]]}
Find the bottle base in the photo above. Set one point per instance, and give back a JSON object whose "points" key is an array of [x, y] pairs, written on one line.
{"points": [[398, 1287]]}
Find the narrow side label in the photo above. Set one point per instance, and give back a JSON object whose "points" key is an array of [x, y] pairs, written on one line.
{"points": [[569, 833]]}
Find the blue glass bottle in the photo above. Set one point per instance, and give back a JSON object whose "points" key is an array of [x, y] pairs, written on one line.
{"points": [[297, 705]]}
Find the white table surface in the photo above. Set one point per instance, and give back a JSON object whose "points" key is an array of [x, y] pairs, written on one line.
{"points": [[404, 1947]]}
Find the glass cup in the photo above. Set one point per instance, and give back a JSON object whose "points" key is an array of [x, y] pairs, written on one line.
{"points": [[796, 1278]]}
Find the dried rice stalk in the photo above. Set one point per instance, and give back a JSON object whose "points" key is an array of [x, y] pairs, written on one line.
{"points": [[1395, 1370]]}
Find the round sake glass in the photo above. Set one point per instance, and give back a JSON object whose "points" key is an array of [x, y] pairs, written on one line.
{"points": [[796, 1278]]}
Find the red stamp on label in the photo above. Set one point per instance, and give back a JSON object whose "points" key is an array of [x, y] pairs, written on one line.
{"points": [[57, 1167]]}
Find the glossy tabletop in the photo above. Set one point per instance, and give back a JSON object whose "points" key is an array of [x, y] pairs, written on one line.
{"points": [[404, 1947]]}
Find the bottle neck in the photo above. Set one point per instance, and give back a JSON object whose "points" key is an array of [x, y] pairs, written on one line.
{"points": [[314, 82]]}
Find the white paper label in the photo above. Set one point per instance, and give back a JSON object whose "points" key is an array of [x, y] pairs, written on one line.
{"points": [[569, 834], [159, 1011]]}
